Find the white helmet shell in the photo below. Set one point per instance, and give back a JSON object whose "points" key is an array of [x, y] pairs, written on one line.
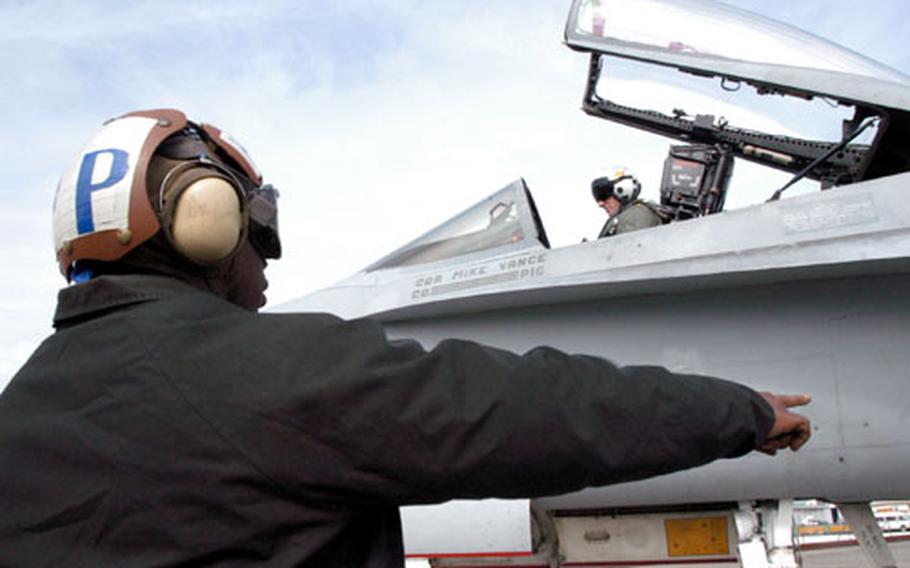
{"points": [[102, 210]]}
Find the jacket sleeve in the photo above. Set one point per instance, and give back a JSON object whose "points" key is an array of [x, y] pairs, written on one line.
{"points": [[334, 411]]}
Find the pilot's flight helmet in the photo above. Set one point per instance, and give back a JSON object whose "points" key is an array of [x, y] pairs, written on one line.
{"points": [[155, 170], [619, 182]]}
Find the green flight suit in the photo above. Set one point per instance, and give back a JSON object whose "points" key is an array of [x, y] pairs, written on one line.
{"points": [[637, 215]]}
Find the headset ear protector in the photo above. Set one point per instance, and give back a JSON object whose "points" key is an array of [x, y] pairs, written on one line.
{"points": [[626, 188], [206, 212]]}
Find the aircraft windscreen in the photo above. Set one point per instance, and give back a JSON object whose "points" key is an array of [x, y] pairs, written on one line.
{"points": [[703, 28], [496, 221]]}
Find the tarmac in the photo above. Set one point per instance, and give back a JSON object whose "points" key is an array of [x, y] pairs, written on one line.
{"points": [[852, 556]]}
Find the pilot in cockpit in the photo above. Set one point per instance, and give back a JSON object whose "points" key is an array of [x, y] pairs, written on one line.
{"points": [[617, 194]]}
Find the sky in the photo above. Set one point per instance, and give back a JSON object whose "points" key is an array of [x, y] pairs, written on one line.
{"points": [[377, 121]]}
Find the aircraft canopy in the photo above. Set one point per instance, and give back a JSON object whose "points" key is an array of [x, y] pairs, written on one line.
{"points": [[709, 37], [507, 218]]}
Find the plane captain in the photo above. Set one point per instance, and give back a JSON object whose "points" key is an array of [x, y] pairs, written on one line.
{"points": [[167, 423]]}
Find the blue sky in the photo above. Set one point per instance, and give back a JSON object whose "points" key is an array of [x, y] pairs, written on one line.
{"points": [[376, 120]]}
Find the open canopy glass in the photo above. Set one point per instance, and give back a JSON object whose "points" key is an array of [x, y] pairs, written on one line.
{"points": [[715, 38]]}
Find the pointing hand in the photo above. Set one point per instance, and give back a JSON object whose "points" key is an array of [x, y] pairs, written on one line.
{"points": [[790, 430]]}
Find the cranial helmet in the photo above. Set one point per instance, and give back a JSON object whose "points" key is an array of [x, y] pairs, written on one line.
{"points": [[620, 182], [152, 171]]}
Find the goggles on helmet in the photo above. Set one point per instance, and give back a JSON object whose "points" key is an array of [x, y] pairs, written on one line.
{"points": [[263, 204], [262, 199]]}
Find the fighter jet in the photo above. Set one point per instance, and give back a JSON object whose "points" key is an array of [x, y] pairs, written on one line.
{"points": [[802, 293]]}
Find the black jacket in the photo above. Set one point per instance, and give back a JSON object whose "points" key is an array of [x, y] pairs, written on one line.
{"points": [[163, 426]]}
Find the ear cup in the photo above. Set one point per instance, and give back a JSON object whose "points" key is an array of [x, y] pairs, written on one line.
{"points": [[207, 220], [626, 189]]}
